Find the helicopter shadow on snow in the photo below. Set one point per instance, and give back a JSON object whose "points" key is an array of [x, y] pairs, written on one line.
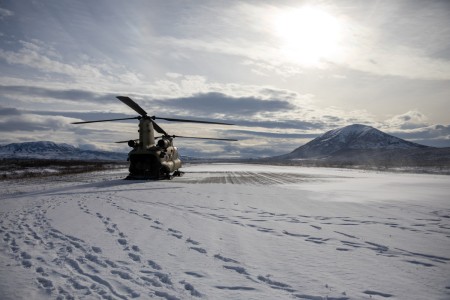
{"points": [[111, 186]]}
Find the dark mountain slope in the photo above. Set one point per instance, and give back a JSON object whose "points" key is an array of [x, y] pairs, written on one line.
{"points": [[364, 145], [50, 150]]}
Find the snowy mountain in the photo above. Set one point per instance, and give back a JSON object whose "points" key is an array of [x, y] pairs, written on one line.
{"points": [[50, 150], [360, 144], [353, 137]]}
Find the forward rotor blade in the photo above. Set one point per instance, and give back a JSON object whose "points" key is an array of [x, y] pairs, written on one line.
{"points": [[133, 105], [201, 138], [96, 121], [190, 121], [158, 129]]}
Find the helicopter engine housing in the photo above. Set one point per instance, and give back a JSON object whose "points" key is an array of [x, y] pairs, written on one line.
{"points": [[164, 143]]}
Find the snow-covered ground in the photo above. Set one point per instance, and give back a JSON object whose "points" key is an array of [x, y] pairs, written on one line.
{"points": [[227, 232]]}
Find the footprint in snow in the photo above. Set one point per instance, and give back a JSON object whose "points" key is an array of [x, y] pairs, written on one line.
{"points": [[45, 284], [225, 259], [134, 257], [96, 249], [189, 287], [198, 249], [153, 264], [189, 240], [235, 288], [123, 242], [275, 284], [194, 274], [240, 270], [375, 293]]}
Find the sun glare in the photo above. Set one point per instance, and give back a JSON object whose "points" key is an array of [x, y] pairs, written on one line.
{"points": [[307, 35]]}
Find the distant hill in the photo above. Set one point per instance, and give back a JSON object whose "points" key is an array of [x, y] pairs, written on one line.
{"points": [[361, 144], [51, 150]]}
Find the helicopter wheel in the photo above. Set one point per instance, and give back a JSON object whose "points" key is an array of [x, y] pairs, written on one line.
{"points": [[178, 173], [165, 174]]}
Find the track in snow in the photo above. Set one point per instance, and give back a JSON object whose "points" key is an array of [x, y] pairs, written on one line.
{"points": [[246, 178]]}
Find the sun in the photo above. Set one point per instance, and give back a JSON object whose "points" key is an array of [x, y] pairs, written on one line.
{"points": [[307, 35]]}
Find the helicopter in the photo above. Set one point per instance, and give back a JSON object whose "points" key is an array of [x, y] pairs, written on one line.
{"points": [[151, 160]]}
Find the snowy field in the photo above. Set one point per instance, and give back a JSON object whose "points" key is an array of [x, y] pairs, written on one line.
{"points": [[227, 232]]}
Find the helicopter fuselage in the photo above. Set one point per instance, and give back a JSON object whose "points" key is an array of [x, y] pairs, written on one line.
{"points": [[150, 160], [155, 162]]}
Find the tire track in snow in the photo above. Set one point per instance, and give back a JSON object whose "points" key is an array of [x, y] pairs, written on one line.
{"points": [[252, 178]]}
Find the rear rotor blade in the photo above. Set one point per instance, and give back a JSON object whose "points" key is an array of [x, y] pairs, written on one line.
{"points": [[122, 142], [133, 105], [190, 121], [96, 121], [201, 138]]}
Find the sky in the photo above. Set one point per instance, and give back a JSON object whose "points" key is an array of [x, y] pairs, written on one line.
{"points": [[284, 72]]}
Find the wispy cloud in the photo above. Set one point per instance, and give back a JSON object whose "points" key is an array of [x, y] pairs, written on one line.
{"points": [[5, 13], [409, 120], [41, 57], [414, 126], [218, 103]]}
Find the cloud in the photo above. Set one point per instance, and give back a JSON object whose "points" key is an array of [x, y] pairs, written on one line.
{"points": [[247, 134], [5, 13], [39, 56], [434, 135], [284, 124], [413, 126], [391, 41], [8, 111], [64, 94], [410, 120], [213, 103], [82, 115], [30, 123]]}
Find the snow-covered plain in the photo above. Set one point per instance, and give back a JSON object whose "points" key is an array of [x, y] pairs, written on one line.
{"points": [[227, 232]]}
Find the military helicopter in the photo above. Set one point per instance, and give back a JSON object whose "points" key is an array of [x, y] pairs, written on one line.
{"points": [[150, 160]]}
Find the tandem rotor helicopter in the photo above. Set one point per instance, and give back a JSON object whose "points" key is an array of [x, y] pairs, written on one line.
{"points": [[150, 160]]}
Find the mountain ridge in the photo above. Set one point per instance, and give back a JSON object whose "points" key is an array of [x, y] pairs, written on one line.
{"points": [[352, 137], [57, 151], [362, 145]]}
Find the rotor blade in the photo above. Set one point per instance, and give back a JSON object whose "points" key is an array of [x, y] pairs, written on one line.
{"points": [[133, 105], [84, 122], [158, 129], [190, 121], [120, 142], [201, 138]]}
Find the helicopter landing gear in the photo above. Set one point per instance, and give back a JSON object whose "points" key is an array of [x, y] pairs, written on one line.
{"points": [[165, 173], [178, 173], [175, 174]]}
